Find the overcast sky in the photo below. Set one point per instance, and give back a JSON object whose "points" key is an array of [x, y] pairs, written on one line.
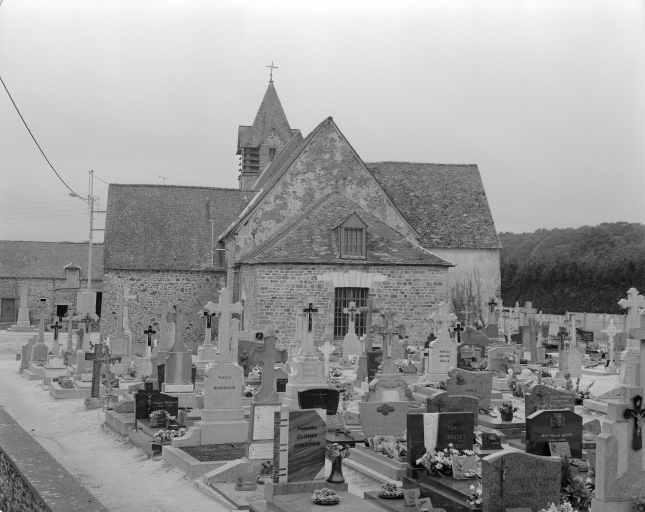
{"points": [[546, 97]]}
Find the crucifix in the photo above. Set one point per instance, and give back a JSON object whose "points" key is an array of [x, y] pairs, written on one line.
{"points": [[272, 68], [208, 338], [611, 331], [120, 303], [458, 329], [226, 310], [637, 414], [56, 327], [369, 311], [101, 355], [387, 331], [55, 344], [632, 303], [267, 391], [492, 306], [149, 332], [502, 475], [352, 310], [178, 318], [309, 312], [442, 319]]}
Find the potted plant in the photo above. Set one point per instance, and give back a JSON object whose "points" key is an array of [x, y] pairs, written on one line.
{"points": [[346, 400], [250, 391], [159, 418], [132, 369], [506, 410], [336, 453]]}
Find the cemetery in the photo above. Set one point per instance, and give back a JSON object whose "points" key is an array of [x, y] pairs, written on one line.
{"points": [[469, 419]]}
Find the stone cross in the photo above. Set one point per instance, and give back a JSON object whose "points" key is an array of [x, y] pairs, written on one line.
{"points": [[149, 332], [638, 415], [572, 329], [528, 311], [41, 325], [101, 350], [458, 329], [69, 319], [120, 303], [267, 392], [467, 312], [632, 303], [385, 409], [226, 310], [369, 311], [352, 310], [611, 331], [56, 344], [443, 319], [163, 325], [178, 317], [326, 349], [387, 331], [126, 309]]}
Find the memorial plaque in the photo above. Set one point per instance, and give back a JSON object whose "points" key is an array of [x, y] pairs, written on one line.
{"points": [[374, 359], [541, 398], [585, 336], [263, 421], [560, 449], [593, 426], [322, 398], [550, 426], [423, 504], [335, 422], [299, 447], [490, 441], [471, 383], [281, 385], [410, 496], [515, 479], [384, 418], [464, 466], [352, 419]]}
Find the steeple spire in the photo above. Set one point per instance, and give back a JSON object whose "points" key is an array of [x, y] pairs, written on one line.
{"points": [[271, 75]]}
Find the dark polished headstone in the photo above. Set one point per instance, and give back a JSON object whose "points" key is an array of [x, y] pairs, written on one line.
{"points": [[322, 398], [545, 427], [374, 359]]}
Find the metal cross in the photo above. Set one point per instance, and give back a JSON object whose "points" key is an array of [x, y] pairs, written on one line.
{"points": [[637, 414], [502, 474], [309, 312], [55, 327], [492, 304], [272, 68], [150, 332], [458, 329]]}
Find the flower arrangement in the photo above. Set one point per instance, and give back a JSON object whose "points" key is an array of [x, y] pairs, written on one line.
{"points": [[639, 502], [325, 496], [353, 358], [574, 490], [132, 369], [255, 373], [474, 499], [335, 373], [507, 408], [440, 463], [159, 415], [412, 349], [390, 491], [582, 394], [167, 435], [250, 391], [335, 450]]}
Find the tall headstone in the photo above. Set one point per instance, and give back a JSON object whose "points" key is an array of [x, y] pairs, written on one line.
{"points": [[23, 325], [40, 350], [227, 351], [368, 311], [25, 356], [206, 354], [121, 342], [389, 379], [326, 349], [166, 333], [433, 432], [178, 371], [442, 355], [145, 364], [69, 319], [351, 344]]}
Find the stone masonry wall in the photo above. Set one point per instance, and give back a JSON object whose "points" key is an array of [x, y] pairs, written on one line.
{"points": [[193, 289], [51, 289], [15, 492], [271, 291]]}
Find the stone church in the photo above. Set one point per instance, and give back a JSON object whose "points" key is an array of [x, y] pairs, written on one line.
{"points": [[310, 218]]}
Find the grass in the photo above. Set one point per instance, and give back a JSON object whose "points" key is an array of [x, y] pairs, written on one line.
{"points": [[215, 452]]}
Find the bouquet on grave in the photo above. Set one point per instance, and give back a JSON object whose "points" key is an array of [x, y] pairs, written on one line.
{"points": [[639, 502], [440, 463], [412, 349], [353, 358], [474, 499], [159, 416], [390, 491], [582, 394], [335, 450], [325, 496], [88, 369], [167, 435], [335, 372], [132, 369], [255, 373], [250, 391]]}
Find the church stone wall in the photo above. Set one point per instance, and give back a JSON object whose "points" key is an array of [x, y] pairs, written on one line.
{"points": [[193, 289], [272, 291]]}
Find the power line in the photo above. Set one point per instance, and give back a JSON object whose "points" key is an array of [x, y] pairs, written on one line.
{"points": [[35, 141], [101, 179]]}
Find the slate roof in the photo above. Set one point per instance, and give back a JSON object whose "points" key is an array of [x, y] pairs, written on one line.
{"points": [[278, 161], [48, 259], [270, 115], [446, 204], [312, 239], [164, 227]]}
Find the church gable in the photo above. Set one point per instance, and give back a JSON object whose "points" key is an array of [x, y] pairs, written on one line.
{"points": [[324, 162], [317, 237]]}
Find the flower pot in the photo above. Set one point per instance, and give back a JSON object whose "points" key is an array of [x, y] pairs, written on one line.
{"points": [[345, 404], [578, 401], [336, 475], [507, 416]]}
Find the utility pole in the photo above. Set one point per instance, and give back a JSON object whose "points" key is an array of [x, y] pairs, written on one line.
{"points": [[91, 200]]}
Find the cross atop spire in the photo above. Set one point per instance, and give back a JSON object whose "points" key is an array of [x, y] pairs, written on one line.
{"points": [[272, 68]]}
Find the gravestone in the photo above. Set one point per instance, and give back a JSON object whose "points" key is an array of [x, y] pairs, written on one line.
{"points": [[299, 448], [374, 360], [351, 344], [593, 426], [324, 398], [467, 353], [442, 355], [501, 359], [570, 361], [472, 336], [542, 398], [384, 418], [476, 383], [146, 401], [25, 356], [222, 415], [120, 342], [178, 362], [433, 432], [362, 371], [515, 479], [227, 349], [442, 402], [552, 426]]}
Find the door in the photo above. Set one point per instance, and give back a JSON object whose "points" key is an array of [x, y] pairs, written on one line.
{"points": [[8, 310]]}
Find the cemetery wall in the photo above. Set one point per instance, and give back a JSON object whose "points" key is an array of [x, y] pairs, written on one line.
{"points": [[15, 492], [49, 288], [192, 288], [272, 291]]}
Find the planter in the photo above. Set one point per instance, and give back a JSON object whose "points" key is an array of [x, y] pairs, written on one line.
{"points": [[336, 475], [506, 416]]}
